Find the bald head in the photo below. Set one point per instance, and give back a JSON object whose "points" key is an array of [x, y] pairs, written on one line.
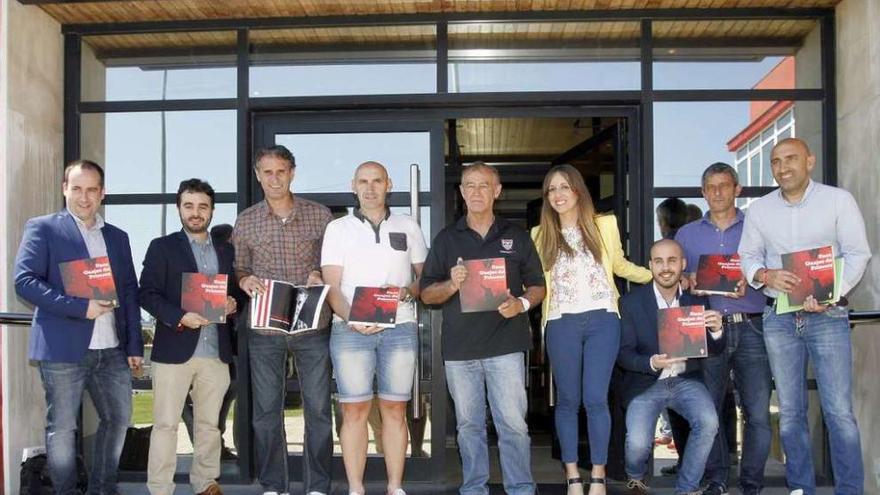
{"points": [[371, 165], [667, 263], [371, 184], [665, 245], [793, 141]]}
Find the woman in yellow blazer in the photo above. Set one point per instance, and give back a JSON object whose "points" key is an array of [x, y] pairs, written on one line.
{"points": [[581, 253]]}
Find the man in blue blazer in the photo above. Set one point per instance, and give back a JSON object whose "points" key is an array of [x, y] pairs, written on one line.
{"points": [[653, 381], [189, 351], [81, 344]]}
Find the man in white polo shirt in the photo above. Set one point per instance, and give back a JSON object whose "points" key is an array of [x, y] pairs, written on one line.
{"points": [[373, 248]]}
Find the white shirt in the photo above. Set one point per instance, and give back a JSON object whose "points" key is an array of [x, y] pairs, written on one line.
{"points": [[375, 256], [825, 216], [104, 333], [677, 368]]}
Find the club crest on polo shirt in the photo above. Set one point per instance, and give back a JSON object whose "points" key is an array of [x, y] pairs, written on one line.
{"points": [[506, 246]]}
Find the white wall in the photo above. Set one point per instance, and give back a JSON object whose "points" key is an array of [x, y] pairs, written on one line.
{"points": [[31, 110], [858, 149]]}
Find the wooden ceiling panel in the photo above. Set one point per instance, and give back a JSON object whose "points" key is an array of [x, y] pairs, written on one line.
{"points": [[179, 10]]}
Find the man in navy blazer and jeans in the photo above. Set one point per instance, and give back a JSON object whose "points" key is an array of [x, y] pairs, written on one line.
{"points": [[653, 381], [188, 350], [81, 344]]}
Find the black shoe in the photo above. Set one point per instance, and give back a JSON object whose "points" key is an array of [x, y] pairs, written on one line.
{"points": [[669, 470], [636, 487], [227, 455], [714, 488]]}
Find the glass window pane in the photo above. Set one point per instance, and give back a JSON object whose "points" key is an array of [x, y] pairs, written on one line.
{"points": [[737, 54], [698, 202], [138, 149], [159, 66], [755, 170], [688, 136], [343, 61], [767, 171], [326, 162], [544, 56]]}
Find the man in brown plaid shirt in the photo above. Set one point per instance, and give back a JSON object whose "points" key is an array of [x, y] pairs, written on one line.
{"points": [[280, 238]]}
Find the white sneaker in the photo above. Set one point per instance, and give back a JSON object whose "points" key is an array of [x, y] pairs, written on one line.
{"points": [[799, 491], [398, 491], [270, 493]]}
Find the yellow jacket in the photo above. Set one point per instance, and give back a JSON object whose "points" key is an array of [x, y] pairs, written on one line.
{"points": [[613, 260]]}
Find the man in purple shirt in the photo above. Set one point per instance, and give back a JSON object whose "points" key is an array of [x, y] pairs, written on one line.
{"points": [[719, 232]]}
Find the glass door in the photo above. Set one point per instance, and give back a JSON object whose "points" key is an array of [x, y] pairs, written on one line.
{"points": [[327, 151]]}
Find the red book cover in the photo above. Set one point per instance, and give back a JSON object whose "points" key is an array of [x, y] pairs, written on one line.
{"points": [[718, 273], [204, 294], [374, 306], [682, 332], [485, 287], [815, 267], [90, 278]]}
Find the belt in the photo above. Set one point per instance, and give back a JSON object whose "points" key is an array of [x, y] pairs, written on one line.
{"points": [[739, 317]]}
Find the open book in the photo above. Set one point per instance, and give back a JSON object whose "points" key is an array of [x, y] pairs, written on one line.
{"points": [[288, 308]]}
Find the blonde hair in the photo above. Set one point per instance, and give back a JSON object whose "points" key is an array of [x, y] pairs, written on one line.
{"points": [[550, 239]]}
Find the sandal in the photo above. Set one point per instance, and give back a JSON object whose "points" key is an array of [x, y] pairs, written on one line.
{"points": [[598, 481], [574, 481]]}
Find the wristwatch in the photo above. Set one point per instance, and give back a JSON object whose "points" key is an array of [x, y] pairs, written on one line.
{"points": [[525, 304]]}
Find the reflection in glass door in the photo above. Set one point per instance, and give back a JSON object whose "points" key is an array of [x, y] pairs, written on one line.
{"points": [[327, 153]]}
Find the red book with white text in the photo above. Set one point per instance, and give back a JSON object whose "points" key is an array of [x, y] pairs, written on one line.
{"points": [[205, 295], [90, 278], [718, 274], [682, 332], [374, 306], [815, 267], [485, 287]]}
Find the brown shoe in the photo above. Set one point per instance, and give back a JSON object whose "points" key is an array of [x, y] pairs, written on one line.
{"points": [[212, 489]]}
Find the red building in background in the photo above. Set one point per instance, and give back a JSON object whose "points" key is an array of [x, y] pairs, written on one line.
{"points": [[770, 121]]}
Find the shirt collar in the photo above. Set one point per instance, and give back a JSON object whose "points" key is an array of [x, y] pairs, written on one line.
{"points": [[193, 240], [99, 221], [810, 186], [498, 224], [360, 216], [707, 218], [661, 299]]}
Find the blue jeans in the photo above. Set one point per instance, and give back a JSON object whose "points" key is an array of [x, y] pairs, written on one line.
{"points": [[824, 338], [582, 349], [268, 356], [504, 378], [747, 355], [689, 398], [389, 355], [106, 375]]}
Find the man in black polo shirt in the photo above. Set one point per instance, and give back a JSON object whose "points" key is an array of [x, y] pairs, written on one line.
{"points": [[484, 351]]}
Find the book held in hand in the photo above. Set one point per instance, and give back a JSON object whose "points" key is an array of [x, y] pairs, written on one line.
{"points": [[288, 308], [718, 274], [485, 287], [90, 278], [682, 332], [374, 306], [820, 275], [205, 295]]}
